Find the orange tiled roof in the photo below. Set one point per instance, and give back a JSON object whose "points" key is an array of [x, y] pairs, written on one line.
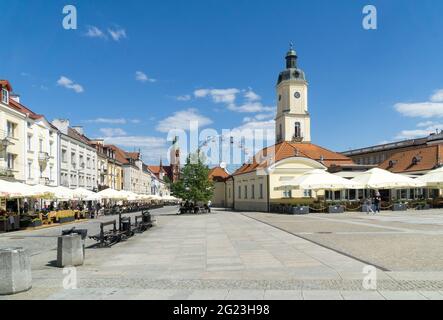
{"points": [[120, 155], [218, 173], [7, 84], [21, 108], [286, 150], [420, 159], [133, 155]]}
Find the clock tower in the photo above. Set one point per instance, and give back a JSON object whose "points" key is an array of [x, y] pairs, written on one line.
{"points": [[293, 122]]}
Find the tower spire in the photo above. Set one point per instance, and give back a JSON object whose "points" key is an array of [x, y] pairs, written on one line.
{"points": [[291, 57]]}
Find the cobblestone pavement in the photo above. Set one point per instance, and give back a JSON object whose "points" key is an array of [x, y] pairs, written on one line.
{"points": [[232, 256], [400, 242]]}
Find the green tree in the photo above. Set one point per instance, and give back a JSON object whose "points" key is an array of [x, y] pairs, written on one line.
{"points": [[194, 184]]}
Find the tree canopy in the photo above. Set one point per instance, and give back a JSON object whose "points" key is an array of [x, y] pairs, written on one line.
{"points": [[194, 184]]}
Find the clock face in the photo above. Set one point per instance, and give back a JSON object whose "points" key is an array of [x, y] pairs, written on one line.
{"points": [[297, 95]]}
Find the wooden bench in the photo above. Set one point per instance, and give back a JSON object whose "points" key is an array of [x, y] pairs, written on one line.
{"points": [[108, 238]]}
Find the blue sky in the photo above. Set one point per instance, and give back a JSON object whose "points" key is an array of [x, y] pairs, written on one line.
{"points": [[365, 86]]}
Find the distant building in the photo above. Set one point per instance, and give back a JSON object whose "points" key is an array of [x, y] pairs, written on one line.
{"points": [[219, 176], [78, 158], [171, 171], [376, 155]]}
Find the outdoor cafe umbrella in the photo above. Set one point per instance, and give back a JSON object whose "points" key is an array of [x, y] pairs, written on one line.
{"points": [[63, 193], [82, 193], [383, 179], [319, 180], [111, 194], [433, 179]]}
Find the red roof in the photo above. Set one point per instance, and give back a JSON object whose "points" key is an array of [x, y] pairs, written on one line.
{"points": [[21, 108], [218, 174], [7, 84], [416, 160], [286, 150]]}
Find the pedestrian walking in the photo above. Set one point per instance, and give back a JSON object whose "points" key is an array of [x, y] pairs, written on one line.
{"points": [[377, 202], [368, 204]]}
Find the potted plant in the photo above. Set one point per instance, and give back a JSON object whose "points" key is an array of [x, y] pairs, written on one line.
{"points": [[36, 223], [3, 224], [336, 208], [300, 209], [399, 206]]}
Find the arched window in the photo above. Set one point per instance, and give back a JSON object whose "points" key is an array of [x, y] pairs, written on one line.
{"points": [[297, 130]]}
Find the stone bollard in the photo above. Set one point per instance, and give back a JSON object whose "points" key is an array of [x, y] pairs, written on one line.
{"points": [[70, 251], [15, 271]]}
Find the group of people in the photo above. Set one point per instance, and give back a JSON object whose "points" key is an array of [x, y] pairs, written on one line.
{"points": [[373, 205]]}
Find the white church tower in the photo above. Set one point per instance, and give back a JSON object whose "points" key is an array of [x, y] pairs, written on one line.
{"points": [[293, 122]]}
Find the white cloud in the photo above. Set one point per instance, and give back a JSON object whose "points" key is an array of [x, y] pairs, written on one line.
{"points": [[108, 121], [259, 117], [182, 120], [252, 96], [185, 97], [437, 96], [142, 77], [117, 34], [251, 101], [113, 132], [69, 84], [425, 129], [94, 32], [420, 110], [426, 110], [218, 95], [152, 148]]}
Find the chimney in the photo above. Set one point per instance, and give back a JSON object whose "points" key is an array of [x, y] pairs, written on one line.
{"points": [[62, 125], [15, 97], [79, 130]]}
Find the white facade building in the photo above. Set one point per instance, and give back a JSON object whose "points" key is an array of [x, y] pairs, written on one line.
{"points": [[29, 143], [78, 159]]}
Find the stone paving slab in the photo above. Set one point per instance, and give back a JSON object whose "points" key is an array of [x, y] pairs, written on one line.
{"points": [[222, 256]]}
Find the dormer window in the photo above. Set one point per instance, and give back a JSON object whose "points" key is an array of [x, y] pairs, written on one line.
{"points": [[5, 96]]}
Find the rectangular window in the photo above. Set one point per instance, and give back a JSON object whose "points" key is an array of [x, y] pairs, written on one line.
{"points": [[307, 193], [253, 191], [29, 142], [51, 151], [64, 156], [40, 145], [287, 194], [11, 159], [239, 192], [10, 129], [261, 190], [246, 192], [30, 170], [5, 96]]}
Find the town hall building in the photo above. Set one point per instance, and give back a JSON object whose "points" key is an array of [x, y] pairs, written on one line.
{"points": [[256, 185]]}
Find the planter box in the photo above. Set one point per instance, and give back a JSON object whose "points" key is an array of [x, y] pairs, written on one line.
{"points": [[36, 224], [399, 207], [5, 226], [66, 220], [300, 210], [336, 209]]}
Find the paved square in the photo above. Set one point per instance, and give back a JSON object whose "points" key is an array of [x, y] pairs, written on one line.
{"points": [[227, 255]]}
